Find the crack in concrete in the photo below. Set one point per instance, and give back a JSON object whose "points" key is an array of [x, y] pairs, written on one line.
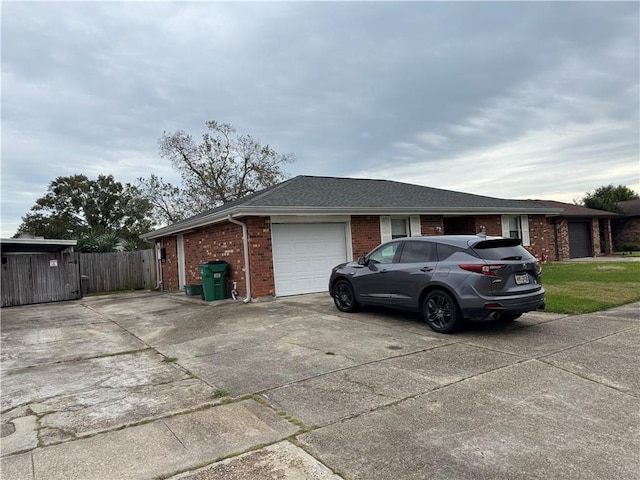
{"points": [[174, 434], [149, 346]]}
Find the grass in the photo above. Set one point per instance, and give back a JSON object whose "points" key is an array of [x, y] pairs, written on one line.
{"points": [[219, 393], [628, 254], [590, 287]]}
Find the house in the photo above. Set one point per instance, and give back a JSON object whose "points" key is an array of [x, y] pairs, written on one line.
{"points": [[579, 231], [285, 239], [627, 232]]}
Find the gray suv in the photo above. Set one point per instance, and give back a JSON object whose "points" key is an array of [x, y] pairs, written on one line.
{"points": [[447, 278]]}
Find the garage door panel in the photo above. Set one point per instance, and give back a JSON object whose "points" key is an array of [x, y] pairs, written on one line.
{"points": [[579, 239], [304, 255]]}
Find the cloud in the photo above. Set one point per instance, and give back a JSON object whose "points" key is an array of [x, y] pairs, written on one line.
{"points": [[504, 99]]}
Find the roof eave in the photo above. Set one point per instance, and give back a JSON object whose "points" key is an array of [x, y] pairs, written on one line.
{"points": [[38, 241], [245, 211]]}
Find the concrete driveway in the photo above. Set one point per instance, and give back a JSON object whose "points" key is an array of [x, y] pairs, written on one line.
{"points": [[151, 385]]}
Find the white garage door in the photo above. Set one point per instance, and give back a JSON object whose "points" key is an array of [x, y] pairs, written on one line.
{"points": [[304, 254]]}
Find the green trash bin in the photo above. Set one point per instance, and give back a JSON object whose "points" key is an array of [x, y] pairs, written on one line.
{"points": [[193, 290], [214, 280]]}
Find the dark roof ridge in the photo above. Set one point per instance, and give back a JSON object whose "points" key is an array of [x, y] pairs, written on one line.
{"points": [[397, 182]]}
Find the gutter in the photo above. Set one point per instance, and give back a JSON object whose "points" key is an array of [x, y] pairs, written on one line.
{"points": [[245, 242]]}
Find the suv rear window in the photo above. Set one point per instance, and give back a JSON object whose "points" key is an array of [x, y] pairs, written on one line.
{"points": [[501, 249]]}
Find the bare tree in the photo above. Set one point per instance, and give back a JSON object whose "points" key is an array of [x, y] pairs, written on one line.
{"points": [[223, 167], [169, 204]]}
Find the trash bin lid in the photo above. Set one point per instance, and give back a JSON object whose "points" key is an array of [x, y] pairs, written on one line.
{"points": [[213, 262]]}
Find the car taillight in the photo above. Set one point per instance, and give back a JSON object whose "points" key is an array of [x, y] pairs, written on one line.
{"points": [[538, 268], [483, 268]]}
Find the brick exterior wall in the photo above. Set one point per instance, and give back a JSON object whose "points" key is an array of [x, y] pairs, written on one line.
{"points": [[170, 263], [628, 233], [541, 238], [431, 225], [223, 241], [365, 234], [595, 237], [260, 257]]}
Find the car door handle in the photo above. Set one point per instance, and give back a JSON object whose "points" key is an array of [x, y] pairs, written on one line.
{"points": [[426, 269]]}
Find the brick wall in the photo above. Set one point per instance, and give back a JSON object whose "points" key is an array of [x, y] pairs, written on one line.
{"points": [[606, 238], [541, 238], [170, 264], [595, 237], [365, 234], [562, 226], [628, 233], [459, 226], [260, 257], [223, 241], [431, 225]]}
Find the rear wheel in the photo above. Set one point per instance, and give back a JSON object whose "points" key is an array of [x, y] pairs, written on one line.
{"points": [[344, 297], [441, 312]]}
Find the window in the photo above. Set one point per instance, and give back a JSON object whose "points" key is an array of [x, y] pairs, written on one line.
{"points": [[516, 226], [384, 254], [445, 251], [399, 227], [417, 252]]}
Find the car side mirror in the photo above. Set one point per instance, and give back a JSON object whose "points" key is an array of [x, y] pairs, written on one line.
{"points": [[362, 261]]}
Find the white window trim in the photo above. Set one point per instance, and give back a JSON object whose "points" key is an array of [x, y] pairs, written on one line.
{"points": [[413, 224], [524, 227], [416, 226], [385, 229]]}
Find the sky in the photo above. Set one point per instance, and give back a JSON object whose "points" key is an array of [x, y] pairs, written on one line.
{"points": [[505, 99]]}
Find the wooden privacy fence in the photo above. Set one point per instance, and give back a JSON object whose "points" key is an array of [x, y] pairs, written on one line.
{"points": [[41, 278], [107, 272]]}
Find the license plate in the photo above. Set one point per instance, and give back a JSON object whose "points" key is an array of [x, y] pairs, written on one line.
{"points": [[522, 278]]}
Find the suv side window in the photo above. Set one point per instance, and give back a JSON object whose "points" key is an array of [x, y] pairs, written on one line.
{"points": [[445, 251], [384, 254], [418, 252]]}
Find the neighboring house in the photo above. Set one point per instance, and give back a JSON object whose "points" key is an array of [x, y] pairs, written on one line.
{"points": [[579, 231], [286, 238], [627, 233]]}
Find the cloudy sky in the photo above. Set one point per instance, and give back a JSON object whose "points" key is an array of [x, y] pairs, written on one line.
{"points": [[506, 99]]}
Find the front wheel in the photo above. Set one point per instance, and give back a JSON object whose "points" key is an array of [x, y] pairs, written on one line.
{"points": [[441, 312], [344, 297]]}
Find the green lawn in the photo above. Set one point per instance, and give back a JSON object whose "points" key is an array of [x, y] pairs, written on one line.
{"points": [[589, 287]]}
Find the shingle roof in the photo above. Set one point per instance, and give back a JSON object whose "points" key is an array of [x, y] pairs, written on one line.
{"points": [[365, 193], [631, 208], [310, 194], [571, 210]]}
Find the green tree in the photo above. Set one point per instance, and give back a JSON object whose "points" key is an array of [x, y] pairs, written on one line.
{"points": [[221, 168], [607, 197], [77, 206]]}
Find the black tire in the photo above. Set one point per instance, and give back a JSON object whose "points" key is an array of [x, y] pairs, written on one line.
{"points": [[441, 312], [344, 297]]}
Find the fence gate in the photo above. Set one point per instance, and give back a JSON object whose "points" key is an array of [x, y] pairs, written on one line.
{"points": [[40, 278]]}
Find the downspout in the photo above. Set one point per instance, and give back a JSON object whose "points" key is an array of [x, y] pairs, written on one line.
{"points": [[158, 254], [245, 242]]}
